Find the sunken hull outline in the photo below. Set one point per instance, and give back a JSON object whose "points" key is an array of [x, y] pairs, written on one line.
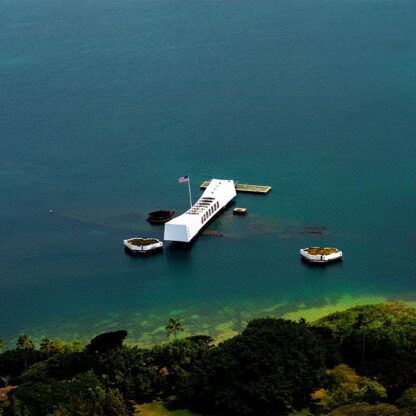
{"points": [[161, 216]]}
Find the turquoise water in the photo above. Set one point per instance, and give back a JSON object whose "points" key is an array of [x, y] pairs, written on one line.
{"points": [[105, 104]]}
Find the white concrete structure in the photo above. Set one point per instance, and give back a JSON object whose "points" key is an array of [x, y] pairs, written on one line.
{"points": [[185, 227], [321, 254], [140, 245]]}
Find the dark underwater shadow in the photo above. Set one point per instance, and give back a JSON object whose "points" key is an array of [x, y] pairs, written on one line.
{"points": [[142, 256], [177, 247], [178, 255], [336, 264]]}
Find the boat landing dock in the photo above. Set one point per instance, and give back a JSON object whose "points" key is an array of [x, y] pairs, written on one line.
{"points": [[242, 187]]}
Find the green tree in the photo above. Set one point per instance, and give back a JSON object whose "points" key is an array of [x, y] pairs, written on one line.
{"points": [[407, 401], [396, 373], [67, 365], [5, 380], [99, 402], [106, 342], [303, 412], [74, 346], [25, 343], [344, 386], [179, 362], [62, 410], [14, 362], [173, 327], [373, 332], [85, 394], [40, 397], [131, 370], [1, 344], [364, 409], [361, 324], [379, 341], [270, 369], [47, 346]]}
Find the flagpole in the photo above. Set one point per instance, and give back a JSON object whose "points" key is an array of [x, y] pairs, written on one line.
{"points": [[189, 188]]}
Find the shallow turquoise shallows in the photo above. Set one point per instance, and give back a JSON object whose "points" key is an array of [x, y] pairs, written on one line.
{"points": [[104, 104]]}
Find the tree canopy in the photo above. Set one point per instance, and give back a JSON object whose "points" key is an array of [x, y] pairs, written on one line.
{"points": [[358, 362], [269, 369], [344, 386], [106, 342]]}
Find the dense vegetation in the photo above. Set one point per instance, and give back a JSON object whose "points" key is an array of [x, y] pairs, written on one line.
{"points": [[358, 362]]}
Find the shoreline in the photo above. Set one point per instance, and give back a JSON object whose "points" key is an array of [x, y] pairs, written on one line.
{"points": [[148, 330]]}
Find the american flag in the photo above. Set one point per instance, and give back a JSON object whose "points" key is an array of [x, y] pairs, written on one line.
{"points": [[184, 179]]}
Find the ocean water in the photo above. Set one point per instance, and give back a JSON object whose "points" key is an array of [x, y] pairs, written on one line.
{"points": [[104, 104]]}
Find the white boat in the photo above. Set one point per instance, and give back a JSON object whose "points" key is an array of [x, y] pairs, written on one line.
{"points": [[216, 197], [321, 254], [140, 245]]}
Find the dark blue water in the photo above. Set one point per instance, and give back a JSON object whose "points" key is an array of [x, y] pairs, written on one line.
{"points": [[104, 104]]}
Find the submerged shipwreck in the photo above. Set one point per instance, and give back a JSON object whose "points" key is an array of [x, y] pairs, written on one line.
{"points": [[161, 216]]}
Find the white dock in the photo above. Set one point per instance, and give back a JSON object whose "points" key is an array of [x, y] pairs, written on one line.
{"points": [[216, 196]]}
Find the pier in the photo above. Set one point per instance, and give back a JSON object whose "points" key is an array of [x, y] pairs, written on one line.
{"points": [[219, 193], [242, 187]]}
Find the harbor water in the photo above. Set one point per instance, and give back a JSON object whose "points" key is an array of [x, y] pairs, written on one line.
{"points": [[104, 105]]}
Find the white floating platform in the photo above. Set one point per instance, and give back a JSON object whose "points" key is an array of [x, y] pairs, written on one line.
{"points": [[216, 197], [321, 254], [140, 245]]}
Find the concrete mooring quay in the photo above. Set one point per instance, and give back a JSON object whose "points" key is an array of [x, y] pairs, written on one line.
{"points": [[242, 187]]}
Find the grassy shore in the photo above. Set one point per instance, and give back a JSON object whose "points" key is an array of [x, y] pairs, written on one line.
{"points": [[158, 409]]}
